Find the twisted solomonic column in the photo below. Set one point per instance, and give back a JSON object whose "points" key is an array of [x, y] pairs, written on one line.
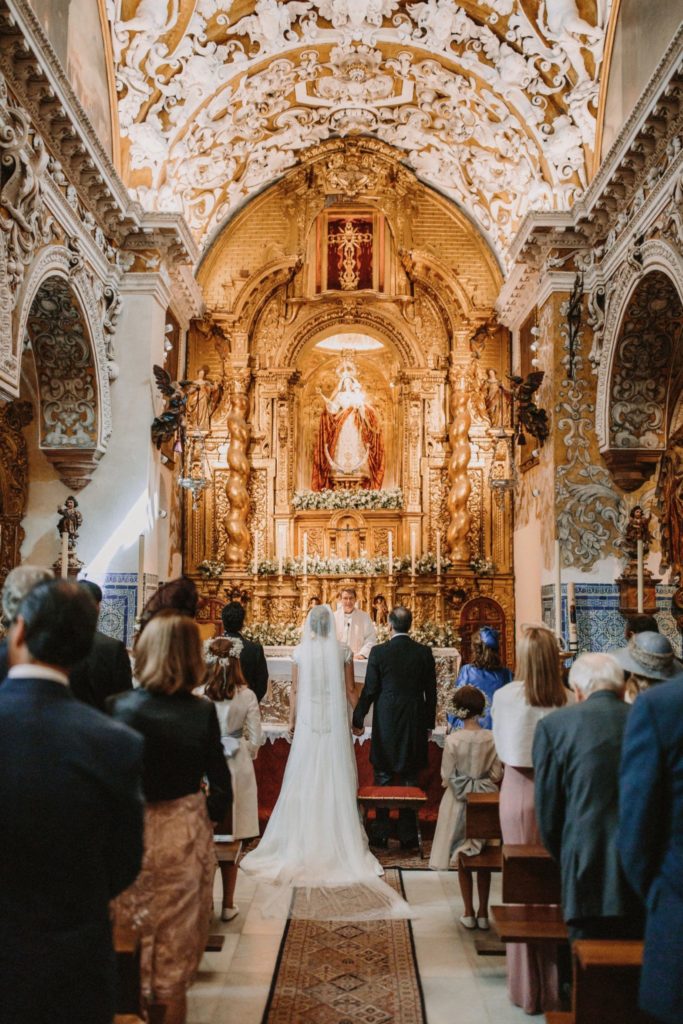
{"points": [[458, 476], [238, 476]]}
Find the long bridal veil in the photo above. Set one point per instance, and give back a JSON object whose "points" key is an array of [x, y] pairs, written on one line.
{"points": [[315, 843]]}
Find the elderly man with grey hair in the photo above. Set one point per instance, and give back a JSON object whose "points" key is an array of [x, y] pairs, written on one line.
{"points": [[18, 583], [576, 757]]}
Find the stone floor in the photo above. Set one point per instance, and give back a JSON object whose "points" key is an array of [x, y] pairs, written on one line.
{"points": [[459, 986]]}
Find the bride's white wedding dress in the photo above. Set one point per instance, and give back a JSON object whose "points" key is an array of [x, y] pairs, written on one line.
{"points": [[315, 838]]}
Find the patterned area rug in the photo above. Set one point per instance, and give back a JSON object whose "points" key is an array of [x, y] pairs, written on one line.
{"points": [[343, 972]]}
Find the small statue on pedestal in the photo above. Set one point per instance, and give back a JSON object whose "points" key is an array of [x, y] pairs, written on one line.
{"points": [[637, 528], [71, 521], [69, 524]]}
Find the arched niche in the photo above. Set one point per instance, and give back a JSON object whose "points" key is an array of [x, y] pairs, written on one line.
{"points": [[321, 366], [645, 378], [60, 322]]}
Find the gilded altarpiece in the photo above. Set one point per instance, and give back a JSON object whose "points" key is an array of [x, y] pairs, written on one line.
{"points": [[354, 416]]}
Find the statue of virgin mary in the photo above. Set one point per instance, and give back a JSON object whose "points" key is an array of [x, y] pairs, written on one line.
{"points": [[349, 442]]}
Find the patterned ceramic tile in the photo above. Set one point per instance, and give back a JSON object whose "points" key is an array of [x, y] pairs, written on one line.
{"points": [[117, 617], [600, 626]]}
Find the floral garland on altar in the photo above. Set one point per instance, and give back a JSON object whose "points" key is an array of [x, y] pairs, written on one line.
{"points": [[363, 565], [273, 634], [389, 498]]}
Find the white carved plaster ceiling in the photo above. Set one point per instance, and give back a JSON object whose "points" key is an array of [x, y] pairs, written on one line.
{"points": [[493, 103]]}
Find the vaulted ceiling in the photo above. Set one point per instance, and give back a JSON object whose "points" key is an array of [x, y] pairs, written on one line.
{"points": [[492, 103]]}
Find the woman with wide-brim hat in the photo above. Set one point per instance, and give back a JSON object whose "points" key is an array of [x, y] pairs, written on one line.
{"points": [[648, 658]]}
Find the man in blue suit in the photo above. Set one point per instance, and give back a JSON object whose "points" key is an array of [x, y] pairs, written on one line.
{"points": [[651, 839], [72, 817]]}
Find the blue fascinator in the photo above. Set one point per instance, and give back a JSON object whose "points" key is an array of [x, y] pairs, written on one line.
{"points": [[489, 637]]}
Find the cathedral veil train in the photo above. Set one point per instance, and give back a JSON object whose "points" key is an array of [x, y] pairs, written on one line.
{"points": [[314, 852]]}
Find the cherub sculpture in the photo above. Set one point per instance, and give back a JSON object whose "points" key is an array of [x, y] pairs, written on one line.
{"points": [[637, 528], [166, 427], [71, 521], [529, 415]]}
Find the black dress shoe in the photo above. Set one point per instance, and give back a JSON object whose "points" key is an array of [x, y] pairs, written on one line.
{"points": [[380, 843]]}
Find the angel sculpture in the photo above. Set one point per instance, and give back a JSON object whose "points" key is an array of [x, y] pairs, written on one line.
{"points": [[529, 415], [271, 23], [166, 428]]}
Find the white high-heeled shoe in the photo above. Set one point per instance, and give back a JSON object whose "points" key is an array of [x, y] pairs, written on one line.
{"points": [[228, 913], [468, 922]]}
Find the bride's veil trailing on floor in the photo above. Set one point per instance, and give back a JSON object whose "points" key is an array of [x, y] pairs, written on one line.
{"points": [[315, 847]]}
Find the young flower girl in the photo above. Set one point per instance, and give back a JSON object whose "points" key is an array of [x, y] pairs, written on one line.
{"points": [[469, 765]]}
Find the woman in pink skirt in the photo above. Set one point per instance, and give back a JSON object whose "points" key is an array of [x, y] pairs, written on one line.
{"points": [[517, 707]]}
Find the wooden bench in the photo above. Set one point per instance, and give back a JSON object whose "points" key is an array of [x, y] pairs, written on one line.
{"points": [[482, 816], [399, 798], [126, 942], [606, 980], [530, 875], [529, 922]]}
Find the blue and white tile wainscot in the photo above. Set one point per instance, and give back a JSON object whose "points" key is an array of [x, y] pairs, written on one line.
{"points": [[119, 589], [599, 625]]}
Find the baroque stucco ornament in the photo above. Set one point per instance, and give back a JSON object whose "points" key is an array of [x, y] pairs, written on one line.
{"points": [[496, 108]]}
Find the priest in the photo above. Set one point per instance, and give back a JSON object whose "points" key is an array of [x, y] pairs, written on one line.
{"points": [[354, 627]]}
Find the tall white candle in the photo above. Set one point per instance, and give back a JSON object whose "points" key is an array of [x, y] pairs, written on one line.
{"points": [[391, 552], [141, 575], [305, 553], [438, 552], [255, 566], [641, 580], [413, 547], [65, 556], [571, 616], [558, 591], [280, 547]]}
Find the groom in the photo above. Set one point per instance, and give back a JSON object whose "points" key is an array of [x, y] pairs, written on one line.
{"points": [[401, 682]]}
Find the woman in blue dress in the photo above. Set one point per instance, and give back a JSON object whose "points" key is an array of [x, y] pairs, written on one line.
{"points": [[484, 671]]}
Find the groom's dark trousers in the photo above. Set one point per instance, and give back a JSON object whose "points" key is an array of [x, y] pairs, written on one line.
{"points": [[401, 684]]}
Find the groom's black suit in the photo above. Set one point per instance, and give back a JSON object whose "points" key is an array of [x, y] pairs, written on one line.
{"points": [[401, 682]]}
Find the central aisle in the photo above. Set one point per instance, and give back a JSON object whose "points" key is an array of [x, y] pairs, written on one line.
{"points": [[459, 987]]}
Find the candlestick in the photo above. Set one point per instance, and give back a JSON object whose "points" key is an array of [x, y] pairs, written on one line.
{"points": [[413, 545], [280, 547], [571, 616], [438, 552], [305, 553], [558, 591], [255, 565], [65, 556], [141, 575], [391, 552], [641, 574]]}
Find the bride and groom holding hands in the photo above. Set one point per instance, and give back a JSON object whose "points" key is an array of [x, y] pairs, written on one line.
{"points": [[315, 837]]}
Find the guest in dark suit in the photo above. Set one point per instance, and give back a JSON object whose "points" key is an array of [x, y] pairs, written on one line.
{"points": [[576, 757], [71, 811], [18, 583], [252, 659], [401, 682], [106, 669], [651, 840]]}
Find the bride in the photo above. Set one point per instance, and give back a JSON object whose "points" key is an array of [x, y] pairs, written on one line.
{"points": [[315, 838]]}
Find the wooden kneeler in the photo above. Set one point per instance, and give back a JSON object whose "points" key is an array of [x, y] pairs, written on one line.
{"points": [[399, 798]]}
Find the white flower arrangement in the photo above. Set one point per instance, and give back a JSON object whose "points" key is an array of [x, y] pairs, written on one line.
{"points": [[273, 634], [482, 566], [389, 498], [210, 569], [363, 565], [432, 634], [236, 648]]}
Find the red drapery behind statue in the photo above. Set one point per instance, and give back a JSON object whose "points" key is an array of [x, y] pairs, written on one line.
{"points": [[328, 434]]}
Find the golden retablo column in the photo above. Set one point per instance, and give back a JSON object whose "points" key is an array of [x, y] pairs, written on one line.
{"points": [[458, 477]]}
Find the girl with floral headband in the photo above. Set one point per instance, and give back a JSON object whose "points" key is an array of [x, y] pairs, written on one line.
{"points": [[484, 671], [469, 765], [241, 735]]}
